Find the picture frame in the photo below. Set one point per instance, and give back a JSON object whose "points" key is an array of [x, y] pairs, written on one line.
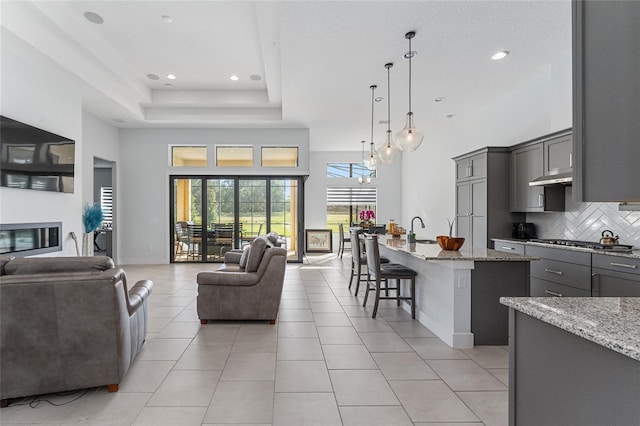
{"points": [[318, 241]]}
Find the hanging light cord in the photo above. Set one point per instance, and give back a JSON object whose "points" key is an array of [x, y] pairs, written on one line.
{"points": [[389, 65], [410, 56], [373, 88]]}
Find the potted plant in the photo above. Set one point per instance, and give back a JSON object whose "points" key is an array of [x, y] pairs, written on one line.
{"points": [[367, 218]]}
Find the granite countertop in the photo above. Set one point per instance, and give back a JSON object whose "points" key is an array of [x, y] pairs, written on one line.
{"points": [[612, 322], [434, 252], [634, 254]]}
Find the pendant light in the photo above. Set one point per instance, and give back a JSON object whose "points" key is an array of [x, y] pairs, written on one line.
{"points": [[373, 160], [361, 179], [409, 138], [389, 150]]}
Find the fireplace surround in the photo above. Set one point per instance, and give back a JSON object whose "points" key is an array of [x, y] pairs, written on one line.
{"points": [[27, 239]]}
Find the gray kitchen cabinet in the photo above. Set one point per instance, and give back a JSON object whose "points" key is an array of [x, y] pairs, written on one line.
{"points": [[471, 167], [482, 196], [532, 160], [557, 155], [559, 378], [509, 247], [606, 100], [559, 272], [526, 165], [615, 276]]}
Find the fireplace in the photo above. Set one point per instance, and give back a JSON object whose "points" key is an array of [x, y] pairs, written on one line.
{"points": [[27, 239]]}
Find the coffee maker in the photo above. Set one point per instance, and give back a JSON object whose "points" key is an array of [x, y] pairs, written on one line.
{"points": [[523, 230]]}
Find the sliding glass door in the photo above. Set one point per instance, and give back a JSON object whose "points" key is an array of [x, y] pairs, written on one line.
{"points": [[212, 215]]}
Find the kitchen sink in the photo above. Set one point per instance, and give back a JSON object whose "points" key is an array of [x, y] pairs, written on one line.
{"points": [[426, 241]]}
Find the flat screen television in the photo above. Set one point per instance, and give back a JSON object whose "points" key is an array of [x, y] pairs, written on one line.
{"points": [[32, 158]]}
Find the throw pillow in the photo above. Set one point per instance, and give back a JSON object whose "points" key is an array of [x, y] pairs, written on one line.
{"points": [[244, 257], [258, 246]]}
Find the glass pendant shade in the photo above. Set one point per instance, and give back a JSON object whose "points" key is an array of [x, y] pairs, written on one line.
{"points": [[409, 138], [389, 150], [373, 160]]}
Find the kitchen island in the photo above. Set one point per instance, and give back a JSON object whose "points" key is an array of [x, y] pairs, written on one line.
{"points": [[574, 361], [458, 292]]}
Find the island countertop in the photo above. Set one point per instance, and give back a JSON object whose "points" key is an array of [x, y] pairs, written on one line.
{"points": [[612, 322], [434, 252]]}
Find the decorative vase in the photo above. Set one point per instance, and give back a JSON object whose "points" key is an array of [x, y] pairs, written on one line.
{"points": [[87, 244]]}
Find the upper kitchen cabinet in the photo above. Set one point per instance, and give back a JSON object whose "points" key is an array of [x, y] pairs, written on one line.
{"points": [[471, 167], [537, 167], [482, 196], [558, 155], [606, 100]]}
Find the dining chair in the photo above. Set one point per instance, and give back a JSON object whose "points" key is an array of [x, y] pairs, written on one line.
{"points": [[343, 239]]}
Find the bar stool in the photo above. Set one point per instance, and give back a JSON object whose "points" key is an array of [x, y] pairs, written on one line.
{"points": [[359, 259], [378, 273]]}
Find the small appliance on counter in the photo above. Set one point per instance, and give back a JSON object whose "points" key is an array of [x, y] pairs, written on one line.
{"points": [[523, 230]]}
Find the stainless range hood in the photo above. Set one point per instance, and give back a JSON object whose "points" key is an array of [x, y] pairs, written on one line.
{"points": [[559, 179]]}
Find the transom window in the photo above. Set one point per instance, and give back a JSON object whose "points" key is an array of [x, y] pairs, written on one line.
{"points": [[234, 156], [349, 170], [189, 156]]}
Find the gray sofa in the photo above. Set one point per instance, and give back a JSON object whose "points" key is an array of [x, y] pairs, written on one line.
{"points": [[67, 323], [247, 287]]}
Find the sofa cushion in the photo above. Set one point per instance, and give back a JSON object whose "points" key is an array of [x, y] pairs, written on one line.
{"points": [[3, 261], [45, 265], [245, 256], [273, 238], [258, 246]]}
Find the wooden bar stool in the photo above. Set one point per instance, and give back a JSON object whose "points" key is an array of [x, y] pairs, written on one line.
{"points": [[378, 273]]}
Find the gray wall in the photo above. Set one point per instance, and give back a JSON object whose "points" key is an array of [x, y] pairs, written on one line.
{"points": [[144, 171]]}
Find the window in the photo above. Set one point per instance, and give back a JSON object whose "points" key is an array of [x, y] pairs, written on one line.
{"points": [[234, 156], [344, 204], [348, 170], [189, 156], [106, 202], [280, 156]]}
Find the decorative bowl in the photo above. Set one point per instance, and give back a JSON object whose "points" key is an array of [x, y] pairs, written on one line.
{"points": [[450, 243]]}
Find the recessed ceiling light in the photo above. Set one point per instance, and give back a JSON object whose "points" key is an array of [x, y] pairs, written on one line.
{"points": [[500, 55], [171, 76], [383, 122], [255, 77], [234, 78], [379, 99], [118, 120], [93, 17], [153, 77], [410, 54], [168, 19], [440, 99], [169, 85]]}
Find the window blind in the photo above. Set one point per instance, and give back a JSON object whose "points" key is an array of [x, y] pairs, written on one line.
{"points": [[351, 196]]}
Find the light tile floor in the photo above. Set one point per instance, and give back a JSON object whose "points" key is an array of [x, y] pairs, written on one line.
{"points": [[326, 362]]}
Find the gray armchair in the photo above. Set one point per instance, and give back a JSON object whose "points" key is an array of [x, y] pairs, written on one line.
{"points": [[67, 323], [247, 290]]}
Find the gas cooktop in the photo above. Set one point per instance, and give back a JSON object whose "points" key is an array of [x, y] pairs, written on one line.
{"points": [[584, 244]]}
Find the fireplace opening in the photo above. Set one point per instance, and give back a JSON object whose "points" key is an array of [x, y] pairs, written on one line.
{"points": [[27, 239]]}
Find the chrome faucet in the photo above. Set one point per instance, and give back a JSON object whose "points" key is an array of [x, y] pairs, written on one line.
{"points": [[412, 236]]}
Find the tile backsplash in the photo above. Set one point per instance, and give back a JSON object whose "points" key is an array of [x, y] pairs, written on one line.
{"points": [[586, 221]]}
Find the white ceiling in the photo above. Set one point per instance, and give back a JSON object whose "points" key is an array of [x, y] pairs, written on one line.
{"points": [[316, 59]]}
